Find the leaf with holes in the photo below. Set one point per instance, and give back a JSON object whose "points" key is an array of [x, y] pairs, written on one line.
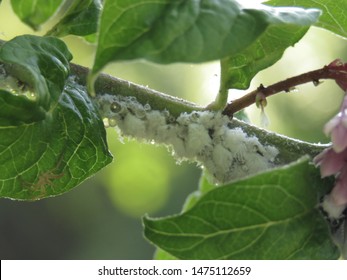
{"points": [[272, 215], [52, 137]]}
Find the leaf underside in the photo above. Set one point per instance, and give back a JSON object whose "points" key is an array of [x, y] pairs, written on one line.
{"points": [[272, 215], [333, 18], [264, 52], [185, 31]]}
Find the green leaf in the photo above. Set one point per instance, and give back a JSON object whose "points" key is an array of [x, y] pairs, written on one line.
{"points": [[204, 187], [334, 17], [81, 19], [45, 150], [17, 110], [162, 255], [169, 31], [241, 68], [271, 215], [35, 12], [41, 64], [53, 156]]}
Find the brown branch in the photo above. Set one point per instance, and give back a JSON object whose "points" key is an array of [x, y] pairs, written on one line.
{"points": [[336, 71]]}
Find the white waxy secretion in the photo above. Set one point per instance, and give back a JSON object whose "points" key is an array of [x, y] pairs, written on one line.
{"points": [[13, 85], [204, 137], [336, 216]]}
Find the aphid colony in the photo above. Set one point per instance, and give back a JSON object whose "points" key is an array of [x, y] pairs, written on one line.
{"points": [[14, 86], [204, 137]]}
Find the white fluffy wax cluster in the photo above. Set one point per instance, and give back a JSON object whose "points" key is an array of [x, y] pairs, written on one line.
{"points": [[13, 85], [205, 137]]}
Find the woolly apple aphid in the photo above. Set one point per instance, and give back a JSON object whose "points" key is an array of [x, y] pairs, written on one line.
{"points": [[204, 137]]}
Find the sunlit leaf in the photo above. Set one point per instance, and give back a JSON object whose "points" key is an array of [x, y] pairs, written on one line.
{"points": [[334, 17], [186, 31], [35, 12], [264, 52]]}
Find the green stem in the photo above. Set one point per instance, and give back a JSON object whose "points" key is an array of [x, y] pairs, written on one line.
{"points": [[290, 149], [222, 96], [157, 100], [337, 73]]}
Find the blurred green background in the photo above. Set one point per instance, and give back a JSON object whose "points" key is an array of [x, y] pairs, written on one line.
{"points": [[101, 219]]}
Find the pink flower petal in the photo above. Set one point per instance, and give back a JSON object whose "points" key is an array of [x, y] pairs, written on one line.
{"points": [[330, 162], [330, 125], [339, 192], [344, 121], [339, 138], [317, 160]]}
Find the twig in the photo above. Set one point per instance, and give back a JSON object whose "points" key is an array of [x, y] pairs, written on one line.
{"points": [[158, 100], [335, 70], [290, 149]]}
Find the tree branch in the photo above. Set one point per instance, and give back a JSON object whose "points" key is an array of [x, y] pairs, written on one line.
{"points": [[290, 149], [112, 85], [336, 71]]}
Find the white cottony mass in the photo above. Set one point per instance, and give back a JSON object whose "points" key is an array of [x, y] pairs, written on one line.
{"points": [[202, 136]]}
